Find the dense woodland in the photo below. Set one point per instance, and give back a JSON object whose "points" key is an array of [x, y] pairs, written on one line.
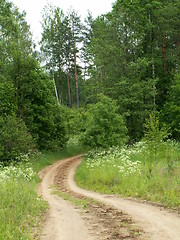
{"points": [[99, 79]]}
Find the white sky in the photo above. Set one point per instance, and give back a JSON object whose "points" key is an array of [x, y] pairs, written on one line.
{"points": [[34, 9]]}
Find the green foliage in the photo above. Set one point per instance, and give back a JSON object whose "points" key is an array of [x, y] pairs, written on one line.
{"points": [[14, 138], [7, 99], [125, 171], [58, 134], [59, 51], [134, 56], [38, 106], [27, 97], [171, 111], [105, 127], [75, 120], [155, 136], [20, 207], [131, 55], [154, 133]]}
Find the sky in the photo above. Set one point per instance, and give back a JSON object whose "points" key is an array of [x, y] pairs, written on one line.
{"points": [[34, 9]]}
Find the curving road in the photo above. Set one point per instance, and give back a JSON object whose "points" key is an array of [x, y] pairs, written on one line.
{"points": [[65, 222]]}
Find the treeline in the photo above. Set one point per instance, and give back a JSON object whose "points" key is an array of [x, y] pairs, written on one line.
{"points": [[130, 54], [136, 54], [99, 79]]}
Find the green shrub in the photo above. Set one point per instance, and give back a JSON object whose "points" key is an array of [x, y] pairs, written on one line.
{"points": [[14, 138], [75, 120], [56, 138], [155, 135], [105, 127]]}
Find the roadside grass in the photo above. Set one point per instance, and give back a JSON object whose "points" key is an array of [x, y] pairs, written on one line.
{"points": [[48, 158], [135, 172], [21, 210], [20, 207]]}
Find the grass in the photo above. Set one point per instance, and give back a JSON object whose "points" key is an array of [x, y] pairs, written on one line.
{"points": [[82, 203], [20, 207], [48, 158], [136, 171], [129, 171], [21, 210]]}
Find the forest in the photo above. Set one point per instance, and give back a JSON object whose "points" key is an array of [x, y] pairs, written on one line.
{"points": [[96, 81]]}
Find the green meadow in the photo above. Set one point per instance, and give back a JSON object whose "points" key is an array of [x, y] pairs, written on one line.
{"points": [[135, 171]]}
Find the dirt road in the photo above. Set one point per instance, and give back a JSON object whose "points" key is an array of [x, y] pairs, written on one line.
{"points": [[110, 218]]}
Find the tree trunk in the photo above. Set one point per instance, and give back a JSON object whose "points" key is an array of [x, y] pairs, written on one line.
{"points": [[55, 88], [75, 65], [72, 95], [69, 92], [163, 50]]}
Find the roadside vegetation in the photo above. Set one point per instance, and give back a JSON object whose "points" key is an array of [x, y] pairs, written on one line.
{"points": [[20, 205], [130, 172], [21, 209], [149, 169]]}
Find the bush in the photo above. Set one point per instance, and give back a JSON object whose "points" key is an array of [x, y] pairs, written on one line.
{"points": [[105, 127], [14, 138], [155, 136], [75, 120], [58, 137]]}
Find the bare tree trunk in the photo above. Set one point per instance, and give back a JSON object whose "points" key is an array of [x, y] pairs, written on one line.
{"points": [[55, 88], [72, 98], [85, 72], [75, 65], [163, 50], [153, 63], [69, 92]]}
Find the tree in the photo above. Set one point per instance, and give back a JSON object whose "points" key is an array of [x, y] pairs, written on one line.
{"points": [[135, 54], [75, 26], [105, 127], [170, 114], [37, 104], [60, 47], [8, 104], [27, 99], [52, 44]]}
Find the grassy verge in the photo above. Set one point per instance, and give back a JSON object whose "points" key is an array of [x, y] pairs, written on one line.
{"points": [[135, 172], [21, 209]]}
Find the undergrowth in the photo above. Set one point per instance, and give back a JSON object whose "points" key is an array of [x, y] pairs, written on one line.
{"points": [[20, 207], [131, 171]]}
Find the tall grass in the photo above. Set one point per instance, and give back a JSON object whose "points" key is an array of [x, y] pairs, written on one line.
{"points": [[19, 203], [20, 207], [132, 172]]}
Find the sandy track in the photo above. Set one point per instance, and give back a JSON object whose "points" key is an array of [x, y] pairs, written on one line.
{"points": [[64, 222]]}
